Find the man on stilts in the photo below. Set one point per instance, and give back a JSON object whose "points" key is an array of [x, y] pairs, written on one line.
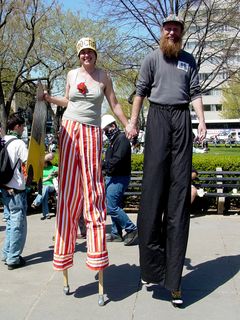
{"points": [[169, 78]]}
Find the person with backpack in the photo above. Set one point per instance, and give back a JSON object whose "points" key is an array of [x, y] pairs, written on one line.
{"points": [[14, 151], [1, 145]]}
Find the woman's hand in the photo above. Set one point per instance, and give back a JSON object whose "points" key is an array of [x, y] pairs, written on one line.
{"points": [[131, 131]]}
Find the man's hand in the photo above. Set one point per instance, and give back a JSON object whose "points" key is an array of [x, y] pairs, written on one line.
{"points": [[131, 131], [202, 131]]}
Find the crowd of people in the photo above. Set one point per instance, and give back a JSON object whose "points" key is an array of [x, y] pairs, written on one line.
{"points": [[169, 79]]}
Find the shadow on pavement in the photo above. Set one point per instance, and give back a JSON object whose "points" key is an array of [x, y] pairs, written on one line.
{"points": [[206, 277], [202, 279], [158, 292], [39, 257], [47, 255], [120, 282]]}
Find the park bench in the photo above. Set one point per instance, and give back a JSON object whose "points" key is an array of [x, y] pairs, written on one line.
{"points": [[218, 185]]}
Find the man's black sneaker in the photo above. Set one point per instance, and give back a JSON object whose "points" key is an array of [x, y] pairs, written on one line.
{"points": [[113, 238], [17, 265], [131, 238]]}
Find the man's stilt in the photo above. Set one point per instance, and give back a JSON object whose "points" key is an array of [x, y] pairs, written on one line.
{"points": [[65, 282], [100, 288]]}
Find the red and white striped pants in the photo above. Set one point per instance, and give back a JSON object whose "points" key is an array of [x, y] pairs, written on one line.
{"points": [[81, 190]]}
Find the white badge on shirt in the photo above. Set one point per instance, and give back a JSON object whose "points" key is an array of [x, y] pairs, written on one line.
{"points": [[183, 66]]}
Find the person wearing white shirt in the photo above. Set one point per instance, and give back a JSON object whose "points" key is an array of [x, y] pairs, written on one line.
{"points": [[15, 197]]}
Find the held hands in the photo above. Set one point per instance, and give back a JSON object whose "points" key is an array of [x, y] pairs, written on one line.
{"points": [[131, 131]]}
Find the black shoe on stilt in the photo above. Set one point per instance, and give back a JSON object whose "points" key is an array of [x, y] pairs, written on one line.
{"points": [[176, 298]]}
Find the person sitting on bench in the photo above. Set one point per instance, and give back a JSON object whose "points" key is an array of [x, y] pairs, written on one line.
{"points": [[49, 173]]}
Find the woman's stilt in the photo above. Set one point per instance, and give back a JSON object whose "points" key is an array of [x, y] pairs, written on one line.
{"points": [[65, 282], [100, 288]]}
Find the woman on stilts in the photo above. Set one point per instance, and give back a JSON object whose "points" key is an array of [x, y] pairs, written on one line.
{"points": [[81, 184]]}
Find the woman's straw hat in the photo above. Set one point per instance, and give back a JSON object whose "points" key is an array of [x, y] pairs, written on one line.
{"points": [[86, 43]]}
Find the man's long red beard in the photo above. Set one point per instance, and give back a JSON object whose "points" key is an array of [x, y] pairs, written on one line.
{"points": [[169, 48]]}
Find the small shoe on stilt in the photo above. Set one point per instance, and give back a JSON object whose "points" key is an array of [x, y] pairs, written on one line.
{"points": [[148, 284], [144, 282], [176, 298]]}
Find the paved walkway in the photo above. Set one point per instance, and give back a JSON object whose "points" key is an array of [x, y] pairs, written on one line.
{"points": [[211, 281]]}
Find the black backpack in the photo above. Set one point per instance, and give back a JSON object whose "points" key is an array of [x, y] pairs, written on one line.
{"points": [[6, 170]]}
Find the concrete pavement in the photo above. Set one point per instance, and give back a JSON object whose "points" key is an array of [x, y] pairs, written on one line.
{"points": [[211, 279]]}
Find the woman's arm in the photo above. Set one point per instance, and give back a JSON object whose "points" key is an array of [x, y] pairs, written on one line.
{"points": [[59, 101], [112, 100]]}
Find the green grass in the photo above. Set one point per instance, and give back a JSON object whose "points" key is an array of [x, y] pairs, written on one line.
{"points": [[224, 151], [225, 157]]}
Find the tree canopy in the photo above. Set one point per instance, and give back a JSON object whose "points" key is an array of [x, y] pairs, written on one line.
{"points": [[206, 23], [38, 41], [231, 100]]}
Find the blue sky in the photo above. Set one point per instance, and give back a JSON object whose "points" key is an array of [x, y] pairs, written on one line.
{"points": [[85, 7]]}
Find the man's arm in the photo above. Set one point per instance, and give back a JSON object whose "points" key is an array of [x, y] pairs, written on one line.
{"points": [[131, 128], [198, 107]]}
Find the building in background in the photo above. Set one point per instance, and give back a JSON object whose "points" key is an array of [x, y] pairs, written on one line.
{"points": [[213, 36]]}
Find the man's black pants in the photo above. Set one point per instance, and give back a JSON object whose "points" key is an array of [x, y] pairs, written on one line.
{"points": [[163, 220]]}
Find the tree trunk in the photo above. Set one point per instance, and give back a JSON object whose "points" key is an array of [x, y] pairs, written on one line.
{"points": [[3, 113]]}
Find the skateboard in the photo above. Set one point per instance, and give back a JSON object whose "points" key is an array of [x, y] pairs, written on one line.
{"points": [[36, 152]]}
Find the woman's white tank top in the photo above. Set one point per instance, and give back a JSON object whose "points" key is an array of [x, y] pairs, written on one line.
{"points": [[84, 108]]}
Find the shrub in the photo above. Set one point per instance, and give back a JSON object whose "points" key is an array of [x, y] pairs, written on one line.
{"points": [[201, 162], [208, 162], [137, 162]]}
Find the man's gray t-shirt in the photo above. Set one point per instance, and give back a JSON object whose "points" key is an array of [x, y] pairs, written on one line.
{"points": [[168, 81]]}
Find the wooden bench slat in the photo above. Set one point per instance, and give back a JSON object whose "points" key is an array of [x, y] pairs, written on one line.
{"points": [[219, 172], [225, 195], [218, 179], [215, 184]]}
